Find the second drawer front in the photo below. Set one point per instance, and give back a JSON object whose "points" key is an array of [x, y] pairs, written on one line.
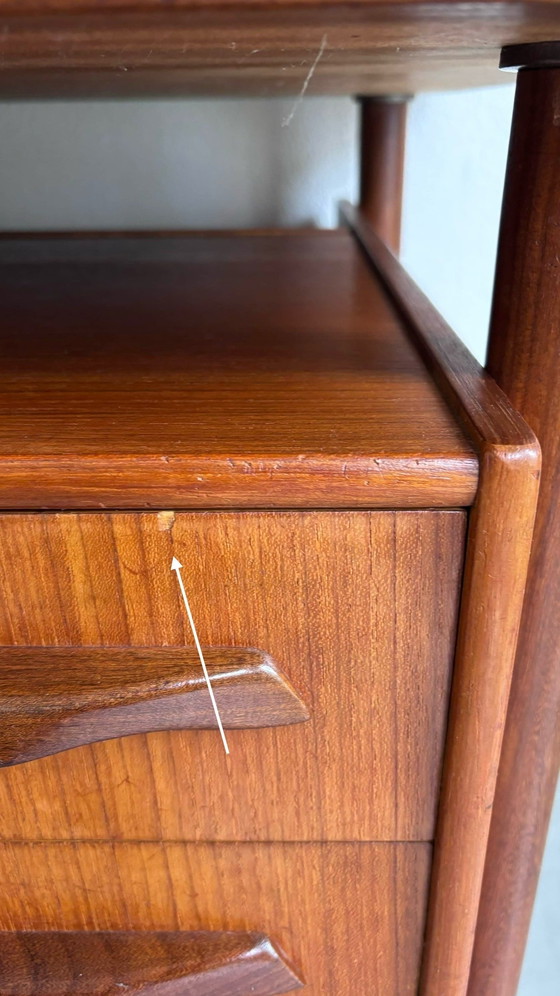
{"points": [[358, 609], [350, 917]]}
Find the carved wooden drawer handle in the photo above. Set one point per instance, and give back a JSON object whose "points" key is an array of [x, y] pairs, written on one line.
{"points": [[114, 963], [55, 698]]}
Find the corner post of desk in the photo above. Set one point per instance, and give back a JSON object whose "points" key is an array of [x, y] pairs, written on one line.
{"points": [[524, 359]]}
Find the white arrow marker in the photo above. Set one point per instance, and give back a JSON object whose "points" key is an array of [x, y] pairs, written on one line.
{"points": [[176, 566]]}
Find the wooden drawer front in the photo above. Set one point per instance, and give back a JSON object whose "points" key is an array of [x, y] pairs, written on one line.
{"points": [[349, 916], [358, 609]]}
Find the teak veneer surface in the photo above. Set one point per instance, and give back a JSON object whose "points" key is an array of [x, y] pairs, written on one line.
{"points": [[112, 396], [349, 917], [359, 611], [77, 48]]}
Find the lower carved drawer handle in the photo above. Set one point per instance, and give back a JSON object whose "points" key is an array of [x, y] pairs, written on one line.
{"points": [[114, 963], [55, 698]]}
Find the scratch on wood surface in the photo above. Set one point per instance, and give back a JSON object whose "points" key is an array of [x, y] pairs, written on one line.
{"points": [[288, 120]]}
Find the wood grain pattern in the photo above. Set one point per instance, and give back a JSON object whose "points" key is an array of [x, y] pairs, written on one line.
{"points": [[498, 547], [382, 146], [111, 395], [365, 902], [151, 47], [375, 678], [484, 409], [88, 963], [523, 357], [52, 699]]}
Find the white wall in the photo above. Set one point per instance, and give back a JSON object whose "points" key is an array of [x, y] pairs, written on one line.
{"points": [[173, 164], [456, 157], [221, 164]]}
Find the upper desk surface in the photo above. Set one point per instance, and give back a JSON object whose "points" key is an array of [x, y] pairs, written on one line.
{"points": [[85, 48]]}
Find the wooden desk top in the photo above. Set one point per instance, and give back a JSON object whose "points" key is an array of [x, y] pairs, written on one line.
{"points": [[264, 370], [76, 48]]}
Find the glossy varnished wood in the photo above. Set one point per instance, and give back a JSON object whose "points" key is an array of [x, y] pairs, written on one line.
{"points": [[350, 916], [96, 963], [524, 358], [359, 610], [486, 412], [498, 547], [150, 47], [53, 699], [112, 396]]}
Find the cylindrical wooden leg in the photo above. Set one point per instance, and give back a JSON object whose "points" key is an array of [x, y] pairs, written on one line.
{"points": [[383, 130], [524, 358]]}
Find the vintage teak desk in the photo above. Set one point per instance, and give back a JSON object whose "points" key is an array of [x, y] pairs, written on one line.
{"points": [[351, 499]]}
